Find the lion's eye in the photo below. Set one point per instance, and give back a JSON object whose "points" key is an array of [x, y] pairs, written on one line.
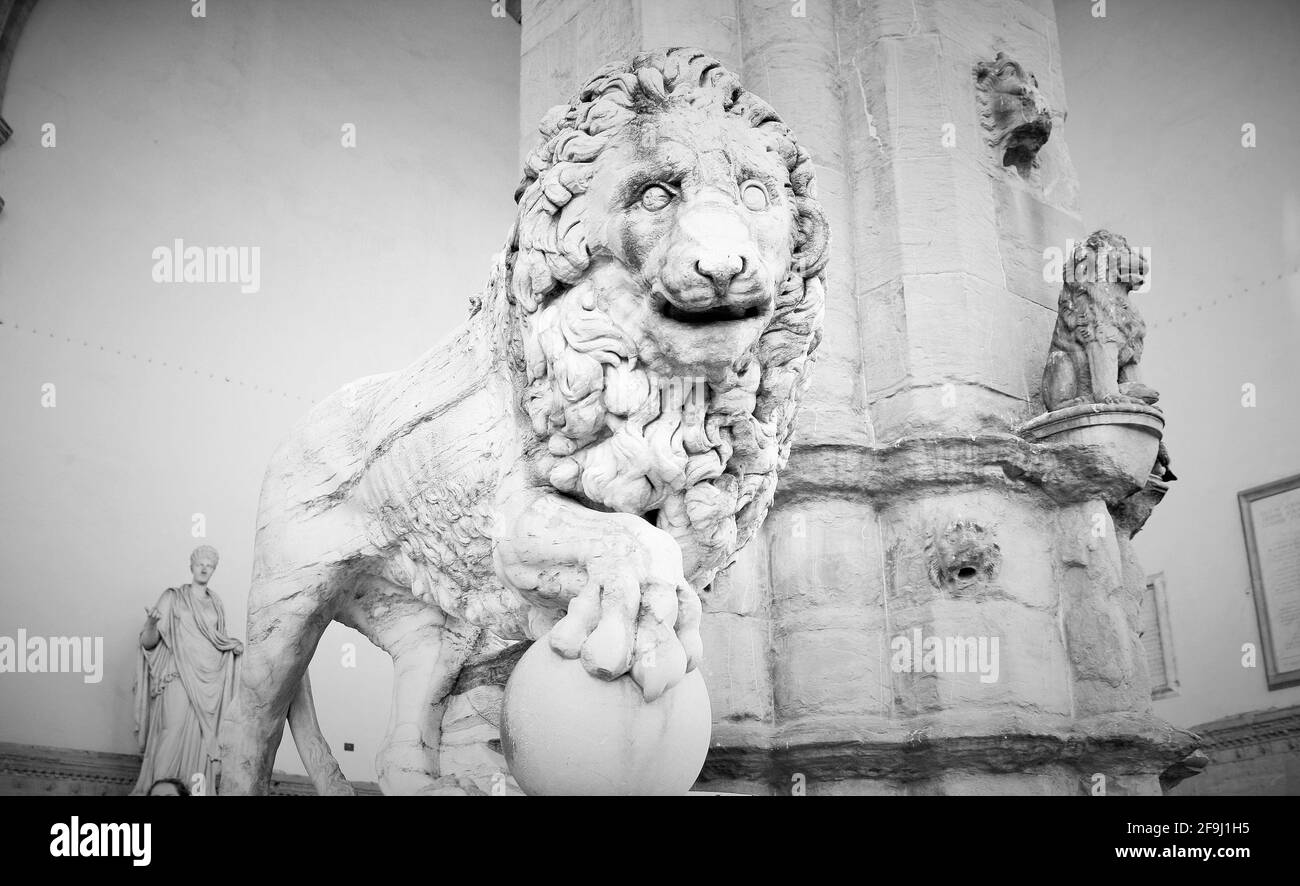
{"points": [[656, 197], [754, 196]]}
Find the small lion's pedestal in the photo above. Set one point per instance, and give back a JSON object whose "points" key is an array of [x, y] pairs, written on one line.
{"points": [[1127, 434]]}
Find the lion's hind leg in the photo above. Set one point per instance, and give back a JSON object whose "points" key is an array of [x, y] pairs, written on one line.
{"points": [[1060, 381], [313, 750], [428, 649], [286, 616]]}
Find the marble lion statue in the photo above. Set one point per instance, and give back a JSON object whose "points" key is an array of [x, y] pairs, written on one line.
{"points": [[591, 447]]}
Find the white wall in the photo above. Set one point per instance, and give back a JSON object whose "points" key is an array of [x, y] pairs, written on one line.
{"points": [[1158, 92], [170, 398]]}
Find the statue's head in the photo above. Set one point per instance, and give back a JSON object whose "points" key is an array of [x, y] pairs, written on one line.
{"points": [[168, 787], [665, 279], [203, 562]]}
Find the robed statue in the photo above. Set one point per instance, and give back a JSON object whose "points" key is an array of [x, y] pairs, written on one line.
{"points": [[187, 676]]}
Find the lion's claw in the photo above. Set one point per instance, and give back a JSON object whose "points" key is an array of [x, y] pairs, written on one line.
{"points": [[608, 651], [660, 664], [571, 632], [634, 613], [689, 612], [660, 659]]}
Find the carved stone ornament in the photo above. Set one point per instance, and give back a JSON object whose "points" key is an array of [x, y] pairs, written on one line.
{"points": [[1016, 116], [961, 555], [589, 449]]}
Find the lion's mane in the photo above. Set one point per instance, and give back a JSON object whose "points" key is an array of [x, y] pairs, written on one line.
{"points": [[704, 456]]}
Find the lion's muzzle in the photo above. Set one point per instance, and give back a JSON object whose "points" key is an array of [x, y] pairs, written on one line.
{"points": [[712, 271]]}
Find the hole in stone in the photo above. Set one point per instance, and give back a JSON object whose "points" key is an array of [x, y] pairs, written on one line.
{"points": [[966, 573]]}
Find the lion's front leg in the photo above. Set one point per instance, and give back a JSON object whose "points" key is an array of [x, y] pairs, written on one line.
{"points": [[629, 606], [1103, 366], [1131, 384]]}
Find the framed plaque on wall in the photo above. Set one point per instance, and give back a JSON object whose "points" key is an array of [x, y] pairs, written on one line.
{"points": [[1270, 517]]}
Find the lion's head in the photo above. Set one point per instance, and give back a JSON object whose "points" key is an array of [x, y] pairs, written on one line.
{"points": [[1106, 258], [1015, 112], [664, 277]]}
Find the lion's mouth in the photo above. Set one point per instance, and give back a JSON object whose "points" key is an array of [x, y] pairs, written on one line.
{"points": [[713, 314]]}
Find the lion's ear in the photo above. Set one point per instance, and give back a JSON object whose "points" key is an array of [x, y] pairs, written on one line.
{"points": [[812, 240]]}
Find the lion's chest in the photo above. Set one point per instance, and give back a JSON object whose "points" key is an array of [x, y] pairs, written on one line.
{"points": [[438, 540], [1098, 316]]}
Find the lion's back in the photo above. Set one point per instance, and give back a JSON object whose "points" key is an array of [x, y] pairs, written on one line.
{"points": [[325, 447]]}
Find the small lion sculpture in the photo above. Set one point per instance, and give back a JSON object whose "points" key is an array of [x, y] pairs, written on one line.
{"points": [[1097, 343]]}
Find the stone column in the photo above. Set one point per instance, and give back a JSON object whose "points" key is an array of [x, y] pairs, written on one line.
{"points": [[910, 508], [563, 42]]}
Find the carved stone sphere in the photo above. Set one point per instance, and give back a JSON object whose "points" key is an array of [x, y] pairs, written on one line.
{"points": [[565, 732]]}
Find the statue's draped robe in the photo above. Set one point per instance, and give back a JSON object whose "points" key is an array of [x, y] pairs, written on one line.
{"points": [[183, 686]]}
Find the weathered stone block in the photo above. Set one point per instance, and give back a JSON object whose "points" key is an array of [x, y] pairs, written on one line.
{"points": [[735, 667], [1049, 781], [884, 339], [946, 220], [941, 408], [962, 330], [1027, 227], [992, 654], [823, 554], [916, 109], [829, 669]]}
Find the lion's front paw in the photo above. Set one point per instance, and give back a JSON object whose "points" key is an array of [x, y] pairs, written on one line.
{"points": [[1121, 398], [636, 612], [1139, 393]]}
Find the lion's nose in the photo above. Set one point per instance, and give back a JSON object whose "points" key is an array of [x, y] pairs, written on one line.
{"points": [[720, 270]]}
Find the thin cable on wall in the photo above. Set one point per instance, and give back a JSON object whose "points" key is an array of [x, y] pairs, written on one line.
{"points": [[1214, 301], [266, 389], [214, 376]]}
